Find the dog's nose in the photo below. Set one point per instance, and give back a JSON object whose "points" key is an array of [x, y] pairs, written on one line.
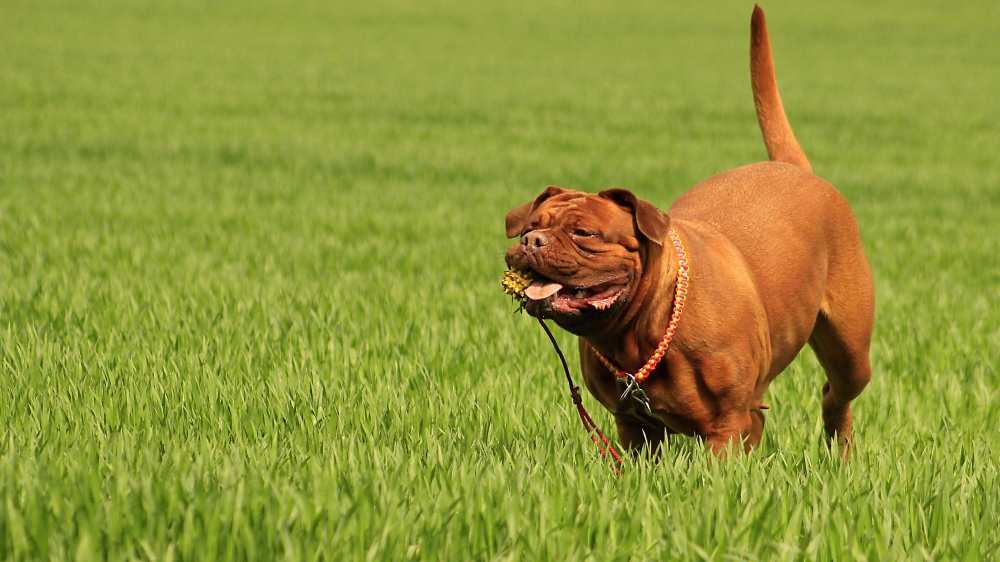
{"points": [[536, 239]]}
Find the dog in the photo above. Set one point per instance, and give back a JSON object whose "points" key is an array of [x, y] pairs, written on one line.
{"points": [[767, 258]]}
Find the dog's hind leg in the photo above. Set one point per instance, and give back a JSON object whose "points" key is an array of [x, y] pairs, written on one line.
{"points": [[841, 340]]}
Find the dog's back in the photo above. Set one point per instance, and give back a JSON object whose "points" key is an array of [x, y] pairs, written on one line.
{"points": [[787, 224]]}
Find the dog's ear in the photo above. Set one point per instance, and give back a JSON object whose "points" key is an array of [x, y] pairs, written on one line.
{"points": [[516, 219], [652, 223]]}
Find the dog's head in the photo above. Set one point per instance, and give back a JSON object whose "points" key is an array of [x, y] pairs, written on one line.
{"points": [[587, 253]]}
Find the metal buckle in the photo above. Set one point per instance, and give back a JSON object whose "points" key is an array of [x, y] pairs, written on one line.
{"points": [[633, 389]]}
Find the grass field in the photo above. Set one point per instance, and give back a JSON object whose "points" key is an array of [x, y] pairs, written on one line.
{"points": [[250, 258]]}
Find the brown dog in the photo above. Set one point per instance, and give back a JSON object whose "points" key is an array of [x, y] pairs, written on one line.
{"points": [[775, 261]]}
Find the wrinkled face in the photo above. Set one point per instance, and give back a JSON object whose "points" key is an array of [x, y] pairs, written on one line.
{"points": [[585, 252]]}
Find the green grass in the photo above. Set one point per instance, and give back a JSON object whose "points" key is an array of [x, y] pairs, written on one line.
{"points": [[250, 259]]}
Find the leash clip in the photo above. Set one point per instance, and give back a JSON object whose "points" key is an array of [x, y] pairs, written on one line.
{"points": [[633, 389]]}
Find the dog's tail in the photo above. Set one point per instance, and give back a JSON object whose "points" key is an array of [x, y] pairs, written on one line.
{"points": [[778, 136]]}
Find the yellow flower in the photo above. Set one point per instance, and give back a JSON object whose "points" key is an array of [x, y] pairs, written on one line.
{"points": [[516, 281]]}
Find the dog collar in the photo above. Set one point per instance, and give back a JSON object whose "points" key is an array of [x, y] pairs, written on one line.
{"points": [[680, 295]]}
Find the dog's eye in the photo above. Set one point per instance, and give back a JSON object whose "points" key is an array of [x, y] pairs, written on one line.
{"points": [[582, 232]]}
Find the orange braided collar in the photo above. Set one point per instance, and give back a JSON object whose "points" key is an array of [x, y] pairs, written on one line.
{"points": [[680, 295]]}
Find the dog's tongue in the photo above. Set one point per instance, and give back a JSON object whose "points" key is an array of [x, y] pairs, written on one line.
{"points": [[541, 290]]}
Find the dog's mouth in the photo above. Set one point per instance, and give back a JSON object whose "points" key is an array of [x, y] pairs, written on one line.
{"points": [[562, 299]]}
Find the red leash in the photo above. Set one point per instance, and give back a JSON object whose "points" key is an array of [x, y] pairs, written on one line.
{"points": [[588, 422]]}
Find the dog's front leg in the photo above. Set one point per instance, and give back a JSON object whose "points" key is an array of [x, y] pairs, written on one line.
{"points": [[634, 434], [739, 430]]}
